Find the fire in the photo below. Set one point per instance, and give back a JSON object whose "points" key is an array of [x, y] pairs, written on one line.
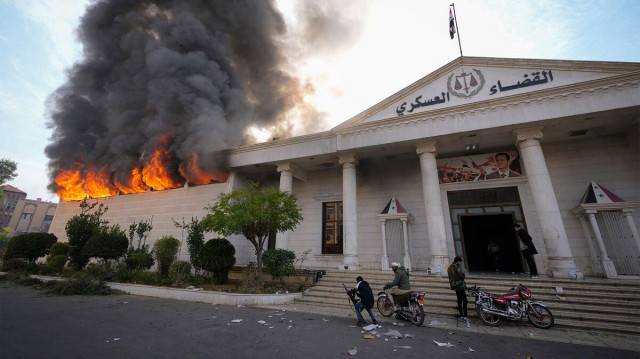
{"points": [[190, 170], [88, 181]]}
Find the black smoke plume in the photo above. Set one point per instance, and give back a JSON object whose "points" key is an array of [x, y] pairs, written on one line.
{"points": [[195, 72]]}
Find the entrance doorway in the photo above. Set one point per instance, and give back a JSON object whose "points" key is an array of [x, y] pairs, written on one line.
{"points": [[480, 230]]}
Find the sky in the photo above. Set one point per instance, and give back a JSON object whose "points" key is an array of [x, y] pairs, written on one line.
{"points": [[381, 47]]}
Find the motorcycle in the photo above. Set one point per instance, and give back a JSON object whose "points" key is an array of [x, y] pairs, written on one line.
{"points": [[411, 306], [514, 305]]}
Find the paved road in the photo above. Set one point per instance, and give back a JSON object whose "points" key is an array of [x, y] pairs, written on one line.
{"points": [[34, 326]]}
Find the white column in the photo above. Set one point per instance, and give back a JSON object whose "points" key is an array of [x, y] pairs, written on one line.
{"points": [[596, 266], [349, 162], [607, 265], [405, 236], [632, 225], [544, 199], [286, 185], [385, 257], [433, 205]]}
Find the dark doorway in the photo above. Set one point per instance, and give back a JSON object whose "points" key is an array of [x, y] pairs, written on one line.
{"points": [[480, 230]]}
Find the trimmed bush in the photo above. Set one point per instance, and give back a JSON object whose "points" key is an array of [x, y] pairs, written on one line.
{"points": [[180, 272], [106, 243], [279, 263], [56, 264], [59, 248], [13, 264], [218, 257], [138, 259], [165, 251], [30, 246]]}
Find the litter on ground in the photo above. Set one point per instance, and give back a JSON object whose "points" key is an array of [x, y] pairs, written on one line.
{"points": [[372, 327], [470, 350], [393, 333], [353, 351], [447, 344], [368, 336], [236, 320], [401, 347], [435, 323]]}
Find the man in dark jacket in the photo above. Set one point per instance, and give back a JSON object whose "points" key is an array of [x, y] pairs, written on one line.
{"points": [[528, 250], [457, 283], [366, 300]]}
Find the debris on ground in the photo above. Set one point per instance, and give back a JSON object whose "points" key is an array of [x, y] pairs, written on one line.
{"points": [[435, 323], [401, 347], [393, 333], [470, 350], [398, 324], [368, 336], [193, 288], [236, 320], [447, 344], [353, 351], [372, 327]]}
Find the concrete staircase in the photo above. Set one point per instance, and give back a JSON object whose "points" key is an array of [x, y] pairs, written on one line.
{"points": [[592, 304]]}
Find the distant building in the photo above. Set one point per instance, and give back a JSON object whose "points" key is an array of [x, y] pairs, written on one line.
{"points": [[13, 195], [32, 216]]}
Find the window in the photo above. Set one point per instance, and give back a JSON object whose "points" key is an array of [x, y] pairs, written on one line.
{"points": [[48, 218], [332, 228], [26, 216]]}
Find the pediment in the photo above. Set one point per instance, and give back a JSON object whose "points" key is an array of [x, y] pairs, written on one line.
{"points": [[468, 80]]}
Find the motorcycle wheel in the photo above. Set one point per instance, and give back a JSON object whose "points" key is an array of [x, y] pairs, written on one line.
{"points": [[417, 314], [540, 316], [489, 319], [384, 306]]}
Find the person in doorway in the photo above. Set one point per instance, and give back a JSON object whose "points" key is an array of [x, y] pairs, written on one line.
{"points": [[503, 160], [528, 250], [400, 281], [456, 282], [366, 300], [494, 252]]}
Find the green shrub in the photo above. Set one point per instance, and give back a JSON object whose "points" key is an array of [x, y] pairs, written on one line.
{"points": [[82, 284], [29, 246], [59, 248], [138, 259], [106, 243], [142, 277], [165, 251], [33, 268], [56, 264], [13, 264], [279, 263], [123, 275], [180, 272], [218, 257]]}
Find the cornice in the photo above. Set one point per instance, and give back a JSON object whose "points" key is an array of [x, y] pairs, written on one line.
{"points": [[588, 88], [283, 142]]}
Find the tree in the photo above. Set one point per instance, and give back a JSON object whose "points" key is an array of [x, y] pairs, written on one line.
{"points": [[80, 228], [8, 170], [30, 246], [165, 250], [106, 243], [253, 212]]}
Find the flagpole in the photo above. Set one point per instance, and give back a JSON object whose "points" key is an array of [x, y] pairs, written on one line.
{"points": [[455, 18]]}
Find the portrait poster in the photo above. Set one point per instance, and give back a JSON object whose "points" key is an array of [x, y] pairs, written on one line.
{"points": [[481, 167]]}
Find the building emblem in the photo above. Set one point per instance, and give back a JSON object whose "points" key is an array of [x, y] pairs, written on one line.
{"points": [[465, 84]]}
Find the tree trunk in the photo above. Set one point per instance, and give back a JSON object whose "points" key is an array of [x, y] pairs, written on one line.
{"points": [[259, 263]]}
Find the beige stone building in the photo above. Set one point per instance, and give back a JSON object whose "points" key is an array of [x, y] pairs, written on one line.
{"points": [[32, 216], [447, 165]]}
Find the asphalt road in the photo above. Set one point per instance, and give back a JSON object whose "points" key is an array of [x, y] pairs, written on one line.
{"points": [[35, 326]]}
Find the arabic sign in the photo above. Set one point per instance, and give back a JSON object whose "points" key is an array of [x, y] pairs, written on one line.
{"points": [[468, 84], [492, 166]]}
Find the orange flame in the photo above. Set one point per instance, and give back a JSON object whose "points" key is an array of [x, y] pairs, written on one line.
{"points": [[79, 183]]}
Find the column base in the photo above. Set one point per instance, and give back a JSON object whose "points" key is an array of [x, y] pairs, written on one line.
{"points": [[439, 264], [609, 268], [564, 268], [349, 262], [384, 262], [407, 262]]}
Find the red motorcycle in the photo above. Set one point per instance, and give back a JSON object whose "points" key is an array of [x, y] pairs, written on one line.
{"points": [[514, 305]]}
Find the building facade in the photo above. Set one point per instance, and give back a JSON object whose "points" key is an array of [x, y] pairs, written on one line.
{"points": [[32, 216], [12, 196], [448, 165]]}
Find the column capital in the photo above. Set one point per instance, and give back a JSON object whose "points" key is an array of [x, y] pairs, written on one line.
{"points": [[426, 147], [531, 133], [350, 157], [286, 166]]}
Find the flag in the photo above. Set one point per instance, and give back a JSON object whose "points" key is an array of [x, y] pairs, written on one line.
{"points": [[452, 26]]}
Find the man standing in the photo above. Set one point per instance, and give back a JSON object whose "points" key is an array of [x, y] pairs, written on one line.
{"points": [[366, 300], [494, 252], [503, 160], [456, 282], [401, 280], [528, 250]]}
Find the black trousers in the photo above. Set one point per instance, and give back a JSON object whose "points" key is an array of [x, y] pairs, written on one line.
{"points": [[531, 262], [461, 294]]}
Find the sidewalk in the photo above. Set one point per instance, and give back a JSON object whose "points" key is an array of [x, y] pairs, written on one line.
{"points": [[507, 328]]}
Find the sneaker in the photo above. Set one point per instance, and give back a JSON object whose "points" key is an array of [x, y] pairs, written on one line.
{"points": [[534, 277], [375, 322], [361, 323], [463, 319]]}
